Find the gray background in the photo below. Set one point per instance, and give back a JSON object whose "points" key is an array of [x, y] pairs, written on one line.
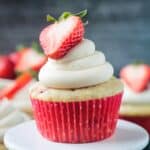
{"points": [[120, 28]]}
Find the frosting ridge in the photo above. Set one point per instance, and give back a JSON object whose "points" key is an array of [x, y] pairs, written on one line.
{"points": [[83, 66]]}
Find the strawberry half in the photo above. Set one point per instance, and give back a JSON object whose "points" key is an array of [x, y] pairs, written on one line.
{"points": [[6, 67], [29, 59], [10, 90], [14, 57], [149, 72], [136, 76], [57, 39]]}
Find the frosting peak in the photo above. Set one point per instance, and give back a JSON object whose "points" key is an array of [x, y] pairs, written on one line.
{"points": [[82, 66]]}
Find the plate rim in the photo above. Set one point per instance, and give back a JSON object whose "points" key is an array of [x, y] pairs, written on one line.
{"points": [[120, 121]]}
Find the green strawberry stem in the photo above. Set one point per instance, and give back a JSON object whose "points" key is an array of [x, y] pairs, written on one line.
{"points": [[35, 46], [82, 13], [138, 62], [33, 73], [20, 47], [65, 15], [49, 18]]}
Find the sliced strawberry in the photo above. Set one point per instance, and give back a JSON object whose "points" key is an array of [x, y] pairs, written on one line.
{"points": [[149, 72], [30, 59], [14, 57], [10, 90], [6, 67], [57, 39], [136, 76]]}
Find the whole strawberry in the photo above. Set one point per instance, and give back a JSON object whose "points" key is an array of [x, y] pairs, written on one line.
{"points": [[66, 32]]}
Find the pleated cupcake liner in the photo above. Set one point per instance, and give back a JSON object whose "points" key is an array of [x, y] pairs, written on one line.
{"points": [[77, 121]]}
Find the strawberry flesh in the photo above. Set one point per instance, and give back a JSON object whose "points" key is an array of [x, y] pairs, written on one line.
{"points": [[14, 57], [136, 76], [10, 90], [57, 39], [6, 67], [30, 59]]}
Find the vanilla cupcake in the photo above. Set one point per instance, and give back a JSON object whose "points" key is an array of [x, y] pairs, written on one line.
{"points": [[136, 98], [76, 99]]}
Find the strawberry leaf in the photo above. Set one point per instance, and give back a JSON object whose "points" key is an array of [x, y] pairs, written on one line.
{"points": [[33, 73], [49, 18], [64, 15], [35, 46], [138, 62], [82, 13], [20, 47]]}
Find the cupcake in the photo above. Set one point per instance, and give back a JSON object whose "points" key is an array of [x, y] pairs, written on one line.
{"points": [[136, 98], [76, 99], [26, 63]]}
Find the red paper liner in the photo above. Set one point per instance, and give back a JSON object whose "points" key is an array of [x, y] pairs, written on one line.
{"points": [[143, 121], [77, 122]]}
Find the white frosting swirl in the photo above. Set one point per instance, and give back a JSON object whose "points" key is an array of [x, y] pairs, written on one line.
{"points": [[131, 97], [9, 117], [83, 66]]}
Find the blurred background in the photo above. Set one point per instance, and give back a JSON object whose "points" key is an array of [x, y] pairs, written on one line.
{"points": [[121, 29]]}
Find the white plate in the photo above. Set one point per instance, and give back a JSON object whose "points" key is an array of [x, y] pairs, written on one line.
{"points": [[128, 136], [4, 130]]}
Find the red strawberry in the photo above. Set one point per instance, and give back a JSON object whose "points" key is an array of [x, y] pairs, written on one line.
{"points": [[6, 67], [136, 76], [16, 85], [57, 39], [149, 72], [29, 59], [14, 57]]}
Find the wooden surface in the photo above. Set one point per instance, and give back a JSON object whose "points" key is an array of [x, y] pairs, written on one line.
{"points": [[121, 29]]}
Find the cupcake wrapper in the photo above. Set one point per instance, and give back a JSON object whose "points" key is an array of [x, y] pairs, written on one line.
{"points": [[77, 122]]}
